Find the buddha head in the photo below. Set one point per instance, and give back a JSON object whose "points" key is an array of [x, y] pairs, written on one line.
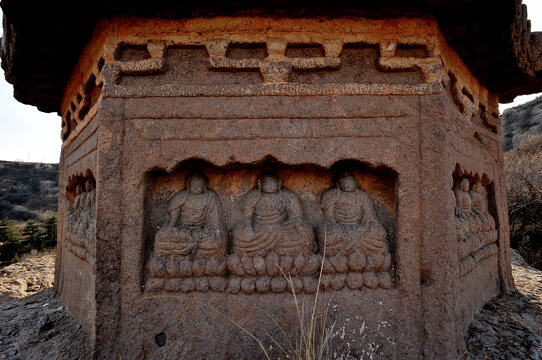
{"points": [[269, 183], [464, 185], [346, 181], [89, 186], [478, 188], [196, 183]]}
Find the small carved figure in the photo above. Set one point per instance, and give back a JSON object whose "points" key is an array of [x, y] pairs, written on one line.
{"points": [[196, 227], [81, 222], [87, 209], [463, 209], [463, 200], [73, 214], [350, 222], [478, 195], [273, 222]]}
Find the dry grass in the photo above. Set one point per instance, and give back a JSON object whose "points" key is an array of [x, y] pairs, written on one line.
{"points": [[314, 338], [523, 167]]}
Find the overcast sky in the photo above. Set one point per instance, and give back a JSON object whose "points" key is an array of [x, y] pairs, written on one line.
{"points": [[29, 135]]}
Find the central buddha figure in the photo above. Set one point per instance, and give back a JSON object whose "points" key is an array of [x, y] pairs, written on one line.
{"points": [[196, 226], [350, 222], [478, 195], [273, 222]]}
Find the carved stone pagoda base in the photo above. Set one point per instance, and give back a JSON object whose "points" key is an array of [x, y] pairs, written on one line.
{"points": [[269, 113]]}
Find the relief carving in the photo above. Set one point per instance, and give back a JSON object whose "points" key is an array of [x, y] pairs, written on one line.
{"points": [[276, 67], [476, 228], [81, 222], [350, 220], [273, 221], [193, 241], [271, 240], [354, 238]]}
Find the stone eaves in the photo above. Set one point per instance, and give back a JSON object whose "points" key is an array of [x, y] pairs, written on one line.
{"points": [[42, 43]]}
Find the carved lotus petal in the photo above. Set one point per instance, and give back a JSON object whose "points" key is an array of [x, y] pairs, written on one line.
{"points": [[248, 265], [374, 261], [217, 283], [354, 280], [157, 267], [297, 284], [185, 268], [198, 267], [172, 267], [202, 284], [259, 265], [310, 284], [286, 262], [154, 285], [221, 268], [173, 285], [324, 281], [235, 266], [339, 262], [311, 265], [328, 267], [337, 281], [211, 267], [248, 285], [188, 285], [297, 267], [272, 264], [278, 285], [386, 263], [356, 262], [370, 280], [234, 285], [384, 280], [263, 285]]}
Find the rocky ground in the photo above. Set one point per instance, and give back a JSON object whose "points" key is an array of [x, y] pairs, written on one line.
{"points": [[35, 325], [510, 327], [32, 274]]}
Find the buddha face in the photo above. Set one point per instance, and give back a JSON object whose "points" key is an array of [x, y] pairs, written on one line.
{"points": [[88, 186], [464, 185], [477, 187], [196, 185], [269, 184], [347, 183]]}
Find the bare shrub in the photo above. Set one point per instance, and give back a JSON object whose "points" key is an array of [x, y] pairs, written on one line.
{"points": [[523, 168]]}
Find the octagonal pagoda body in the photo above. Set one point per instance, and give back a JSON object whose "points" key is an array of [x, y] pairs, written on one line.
{"points": [[151, 102]]}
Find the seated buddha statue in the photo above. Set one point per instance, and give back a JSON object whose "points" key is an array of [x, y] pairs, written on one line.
{"points": [[350, 222], [196, 227], [75, 213], [478, 196], [272, 222], [463, 209]]}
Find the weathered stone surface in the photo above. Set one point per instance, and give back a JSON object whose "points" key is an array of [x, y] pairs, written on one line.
{"points": [[521, 122], [492, 38], [234, 159]]}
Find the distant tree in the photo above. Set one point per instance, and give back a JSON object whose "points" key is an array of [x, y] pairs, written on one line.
{"points": [[31, 233], [10, 240], [49, 232], [523, 167]]}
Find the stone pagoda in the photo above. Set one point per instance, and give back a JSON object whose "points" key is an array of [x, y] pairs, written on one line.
{"points": [[218, 157]]}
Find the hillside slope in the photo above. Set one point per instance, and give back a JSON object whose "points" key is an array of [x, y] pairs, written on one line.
{"points": [[519, 122], [28, 190]]}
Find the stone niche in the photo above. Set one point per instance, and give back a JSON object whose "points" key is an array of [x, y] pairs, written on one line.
{"points": [[234, 252], [203, 157]]}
